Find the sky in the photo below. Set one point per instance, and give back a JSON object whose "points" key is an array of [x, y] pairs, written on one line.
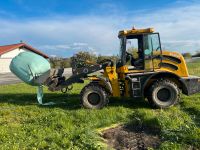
{"points": [[64, 27]]}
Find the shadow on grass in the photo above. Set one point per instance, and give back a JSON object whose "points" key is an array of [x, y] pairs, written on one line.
{"points": [[129, 102], [194, 113], [66, 101]]}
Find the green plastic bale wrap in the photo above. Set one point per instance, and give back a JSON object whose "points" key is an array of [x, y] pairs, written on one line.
{"points": [[31, 68]]}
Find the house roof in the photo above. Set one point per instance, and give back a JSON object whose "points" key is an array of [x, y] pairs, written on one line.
{"points": [[7, 48]]}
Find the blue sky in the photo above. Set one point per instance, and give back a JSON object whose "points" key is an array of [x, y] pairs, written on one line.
{"points": [[64, 27], [35, 8]]}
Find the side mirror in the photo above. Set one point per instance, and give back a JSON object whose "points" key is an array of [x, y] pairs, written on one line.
{"points": [[147, 51]]}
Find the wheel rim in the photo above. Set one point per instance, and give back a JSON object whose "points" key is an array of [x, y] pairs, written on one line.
{"points": [[94, 98], [164, 94]]}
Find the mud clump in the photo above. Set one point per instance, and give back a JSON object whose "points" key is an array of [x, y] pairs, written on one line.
{"points": [[132, 137]]}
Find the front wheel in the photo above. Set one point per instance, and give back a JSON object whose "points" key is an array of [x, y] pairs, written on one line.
{"points": [[93, 96], [163, 94]]}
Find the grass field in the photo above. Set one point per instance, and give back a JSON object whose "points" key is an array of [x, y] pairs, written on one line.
{"points": [[26, 125]]}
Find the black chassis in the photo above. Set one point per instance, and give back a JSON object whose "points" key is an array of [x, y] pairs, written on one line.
{"points": [[192, 84], [189, 85]]}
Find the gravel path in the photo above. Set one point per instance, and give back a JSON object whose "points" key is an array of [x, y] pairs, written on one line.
{"points": [[9, 78]]}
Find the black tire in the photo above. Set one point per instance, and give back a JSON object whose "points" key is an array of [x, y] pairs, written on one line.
{"points": [[163, 94], [93, 96]]}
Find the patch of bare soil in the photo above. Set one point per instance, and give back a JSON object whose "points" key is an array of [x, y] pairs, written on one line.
{"points": [[132, 137]]}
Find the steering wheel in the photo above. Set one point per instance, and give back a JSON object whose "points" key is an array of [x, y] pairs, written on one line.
{"points": [[158, 48], [106, 62], [129, 54]]}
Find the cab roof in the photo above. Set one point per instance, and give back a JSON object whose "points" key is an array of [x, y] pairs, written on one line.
{"points": [[135, 31]]}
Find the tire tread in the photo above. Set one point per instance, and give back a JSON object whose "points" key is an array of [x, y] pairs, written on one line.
{"points": [[156, 84], [94, 86]]}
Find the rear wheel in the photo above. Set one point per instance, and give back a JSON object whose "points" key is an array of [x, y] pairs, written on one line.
{"points": [[163, 94], [93, 96]]}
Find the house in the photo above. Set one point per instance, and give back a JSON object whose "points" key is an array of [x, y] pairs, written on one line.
{"points": [[8, 52]]}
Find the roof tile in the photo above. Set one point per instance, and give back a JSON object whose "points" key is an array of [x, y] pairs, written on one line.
{"points": [[7, 48]]}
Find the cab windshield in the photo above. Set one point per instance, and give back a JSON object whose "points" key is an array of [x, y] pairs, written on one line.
{"points": [[139, 50], [152, 43]]}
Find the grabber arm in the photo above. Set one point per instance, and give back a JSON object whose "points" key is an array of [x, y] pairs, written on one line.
{"points": [[80, 70]]}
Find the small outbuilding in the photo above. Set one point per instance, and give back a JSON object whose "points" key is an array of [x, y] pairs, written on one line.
{"points": [[8, 52]]}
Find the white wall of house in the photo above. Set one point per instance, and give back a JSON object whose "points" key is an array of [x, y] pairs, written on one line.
{"points": [[6, 58], [13, 53], [4, 65]]}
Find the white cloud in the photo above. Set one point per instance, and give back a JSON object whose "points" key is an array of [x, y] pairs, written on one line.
{"points": [[80, 44], [54, 47], [55, 33], [77, 48], [53, 55], [178, 25]]}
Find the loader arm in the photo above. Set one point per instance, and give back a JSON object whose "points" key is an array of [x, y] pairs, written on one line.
{"points": [[58, 81]]}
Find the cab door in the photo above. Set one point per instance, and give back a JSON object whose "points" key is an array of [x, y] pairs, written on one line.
{"points": [[152, 51]]}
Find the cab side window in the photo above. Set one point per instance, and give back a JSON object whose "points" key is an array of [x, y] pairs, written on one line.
{"points": [[134, 51], [132, 48], [152, 51]]}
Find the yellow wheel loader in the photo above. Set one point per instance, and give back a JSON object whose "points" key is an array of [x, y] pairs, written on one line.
{"points": [[143, 70]]}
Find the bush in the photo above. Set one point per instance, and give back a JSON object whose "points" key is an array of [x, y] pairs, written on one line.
{"points": [[187, 55]]}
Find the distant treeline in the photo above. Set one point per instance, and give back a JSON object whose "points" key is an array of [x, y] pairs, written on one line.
{"points": [[189, 55], [57, 62], [197, 54]]}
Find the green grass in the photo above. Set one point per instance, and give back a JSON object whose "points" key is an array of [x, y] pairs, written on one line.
{"points": [[26, 125], [194, 68]]}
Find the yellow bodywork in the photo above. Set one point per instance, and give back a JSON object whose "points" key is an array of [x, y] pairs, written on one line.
{"points": [[135, 31], [111, 74], [182, 70], [116, 75]]}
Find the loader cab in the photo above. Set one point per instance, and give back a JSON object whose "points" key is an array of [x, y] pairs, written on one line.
{"points": [[139, 49]]}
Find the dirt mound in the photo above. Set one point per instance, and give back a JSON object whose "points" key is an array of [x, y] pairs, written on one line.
{"points": [[132, 138]]}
